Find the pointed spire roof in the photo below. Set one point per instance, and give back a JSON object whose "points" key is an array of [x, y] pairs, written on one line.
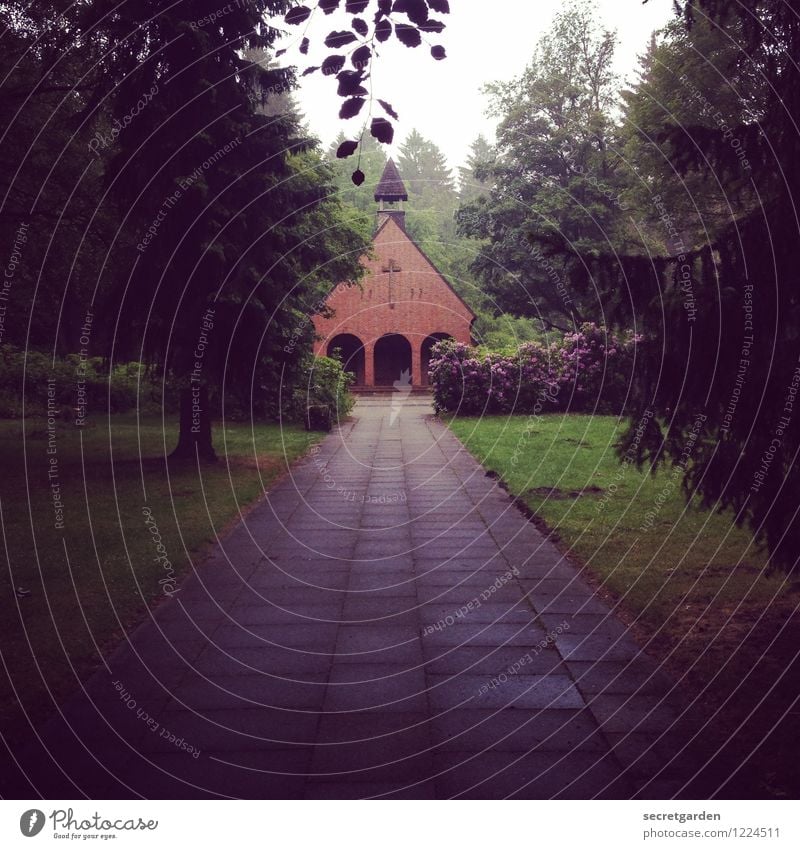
{"points": [[391, 187]]}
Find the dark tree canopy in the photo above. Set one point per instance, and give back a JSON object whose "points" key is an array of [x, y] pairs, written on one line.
{"points": [[195, 216], [723, 318]]}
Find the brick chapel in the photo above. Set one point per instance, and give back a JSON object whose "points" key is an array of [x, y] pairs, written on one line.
{"points": [[385, 328]]}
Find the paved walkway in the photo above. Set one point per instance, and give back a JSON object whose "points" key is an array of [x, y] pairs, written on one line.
{"points": [[385, 624]]}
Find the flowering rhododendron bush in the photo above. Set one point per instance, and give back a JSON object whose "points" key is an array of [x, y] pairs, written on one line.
{"points": [[587, 370]]}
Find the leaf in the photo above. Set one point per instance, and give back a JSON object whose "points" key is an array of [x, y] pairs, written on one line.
{"points": [[297, 15], [384, 8], [382, 130], [339, 38], [360, 26], [310, 70], [350, 84], [408, 35], [355, 7], [432, 25], [438, 52], [361, 57], [416, 10], [441, 6], [389, 109], [358, 177], [304, 46], [346, 148], [383, 30], [351, 108], [333, 64], [280, 52], [328, 6]]}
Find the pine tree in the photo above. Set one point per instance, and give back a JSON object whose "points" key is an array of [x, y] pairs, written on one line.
{"points": [[474, 178], [723, 317], [686, 77], [424, 167]]}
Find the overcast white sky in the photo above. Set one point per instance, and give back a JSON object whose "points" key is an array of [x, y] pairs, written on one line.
{"points": [[484, 42]]}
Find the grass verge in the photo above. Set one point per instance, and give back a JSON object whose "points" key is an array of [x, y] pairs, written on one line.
{"points": [[694, 588], [92, 579]]}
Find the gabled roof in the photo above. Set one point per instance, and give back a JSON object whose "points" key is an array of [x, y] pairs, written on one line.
{"points": [[391, 187], [398, 221]]}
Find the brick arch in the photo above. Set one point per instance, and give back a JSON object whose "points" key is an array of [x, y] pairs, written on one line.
{"points": [[352, 353], [393, 355]]}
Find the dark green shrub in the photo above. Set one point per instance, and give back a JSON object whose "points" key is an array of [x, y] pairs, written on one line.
{"points": [[324, 383], [79, 386]]}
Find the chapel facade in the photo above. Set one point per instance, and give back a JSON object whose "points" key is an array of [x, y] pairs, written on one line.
{"points": [[385, 328]]}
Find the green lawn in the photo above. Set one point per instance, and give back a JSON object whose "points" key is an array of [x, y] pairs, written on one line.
{"points": [[693, 586], [94, 578]]}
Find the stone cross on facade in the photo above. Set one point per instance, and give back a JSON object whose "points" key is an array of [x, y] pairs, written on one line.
{"points": [[391, 268]]}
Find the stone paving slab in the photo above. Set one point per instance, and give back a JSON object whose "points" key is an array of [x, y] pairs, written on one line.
{"points": [[481, 730], [386, 624]]}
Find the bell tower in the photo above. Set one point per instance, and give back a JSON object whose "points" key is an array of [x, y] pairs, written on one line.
{"points": [[390, 193]]}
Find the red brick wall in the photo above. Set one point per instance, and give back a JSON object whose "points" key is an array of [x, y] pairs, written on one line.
{"points": [[423, 303]]}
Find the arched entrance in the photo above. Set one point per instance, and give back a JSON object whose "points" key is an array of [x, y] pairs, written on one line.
{"points": [[351, 350], [427, 344], [392, 358]]}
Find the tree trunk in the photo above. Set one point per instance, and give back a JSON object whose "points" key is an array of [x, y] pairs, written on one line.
{"points": [[194, 438]]}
